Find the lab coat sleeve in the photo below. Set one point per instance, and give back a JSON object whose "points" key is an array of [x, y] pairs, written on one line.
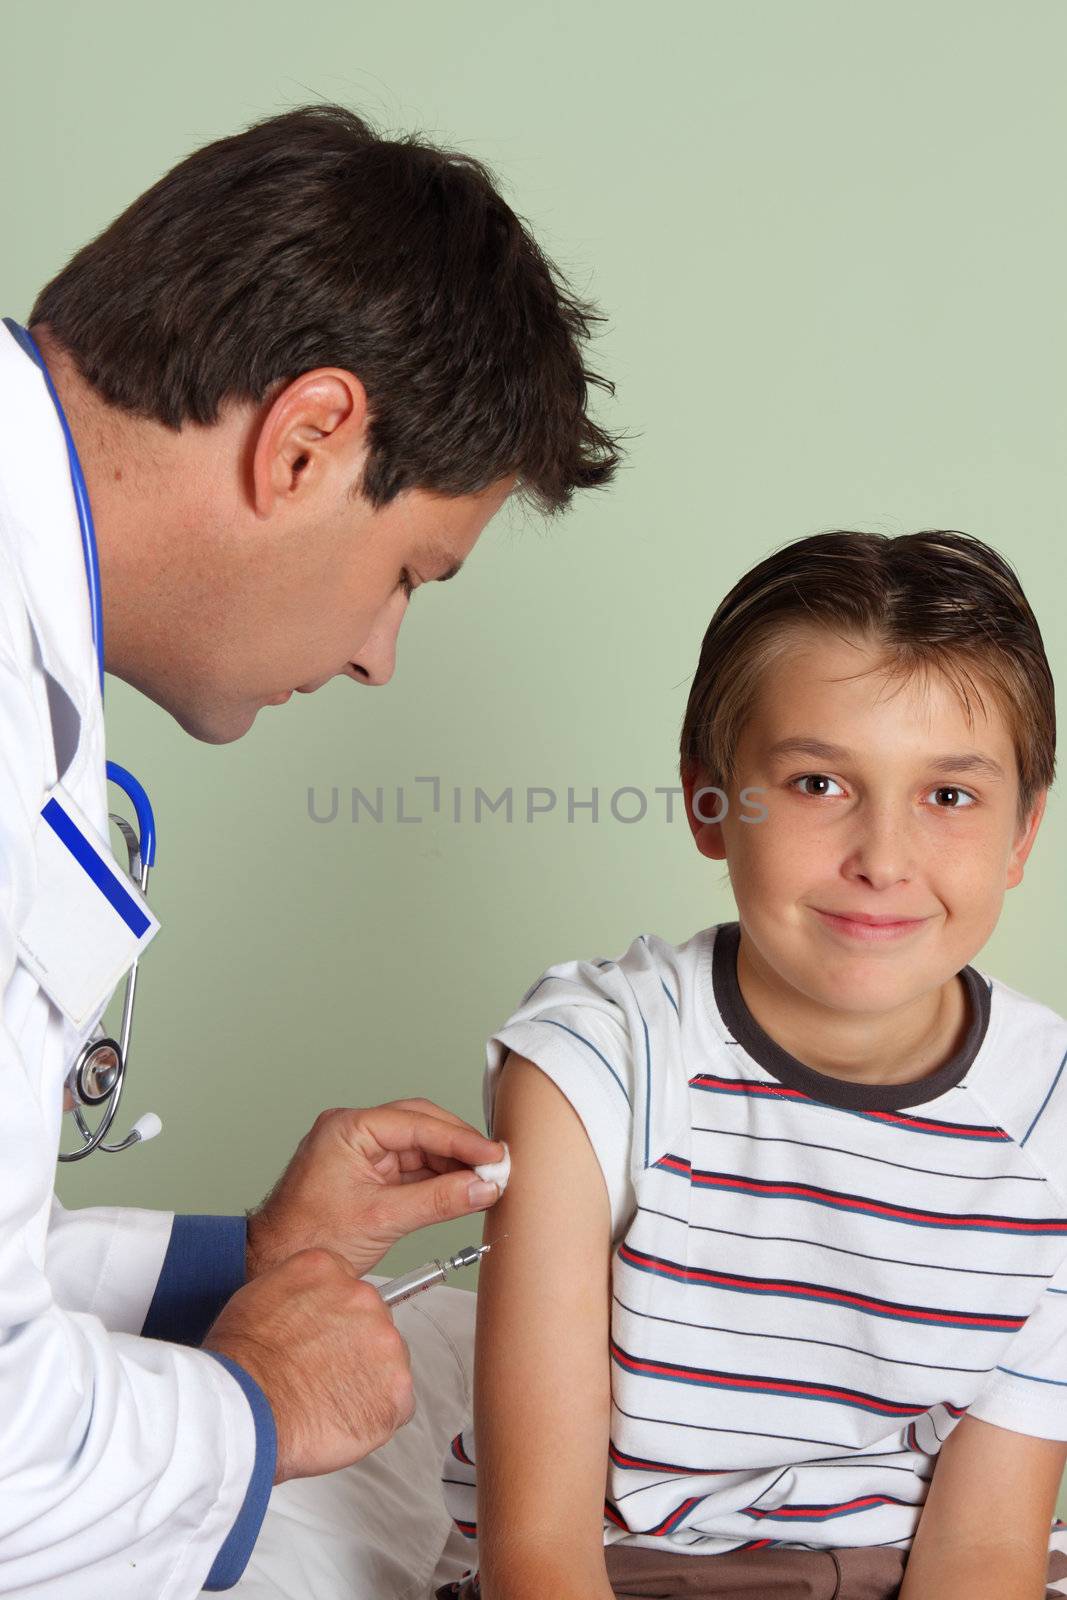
{"points": [[148, 1272], [128, 1466], [107, 1260]]}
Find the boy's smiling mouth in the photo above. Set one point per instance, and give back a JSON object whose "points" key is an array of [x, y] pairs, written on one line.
{"points": [[870, 929]]}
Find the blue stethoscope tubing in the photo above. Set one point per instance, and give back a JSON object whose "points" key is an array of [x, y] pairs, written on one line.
{"points": [[146, 822], [102, 1056]]}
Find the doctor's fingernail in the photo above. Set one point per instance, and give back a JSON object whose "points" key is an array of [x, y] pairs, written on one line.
{"points": [[482, 1194]]}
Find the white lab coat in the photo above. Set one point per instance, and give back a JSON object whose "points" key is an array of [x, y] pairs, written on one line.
{"points": [[123, 1461]]}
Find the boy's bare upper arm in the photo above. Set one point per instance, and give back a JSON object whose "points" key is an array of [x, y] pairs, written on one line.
{"points": [[542, 1376], [987, 1515]]}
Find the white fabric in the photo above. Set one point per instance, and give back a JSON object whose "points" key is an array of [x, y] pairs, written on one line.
{"points": [[123, 1461], [814, 1283], [379, 1530]]}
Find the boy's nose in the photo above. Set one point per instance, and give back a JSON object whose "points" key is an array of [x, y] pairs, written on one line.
{"points": [[883, 852]]}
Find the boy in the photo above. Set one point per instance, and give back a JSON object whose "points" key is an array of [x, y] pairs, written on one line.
{"points": [[786, 1269]]}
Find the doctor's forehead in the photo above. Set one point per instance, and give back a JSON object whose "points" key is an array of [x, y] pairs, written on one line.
{"points": [[442, 529]]}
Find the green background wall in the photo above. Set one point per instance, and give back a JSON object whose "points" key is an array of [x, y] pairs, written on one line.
{"points": [[831, 243]]}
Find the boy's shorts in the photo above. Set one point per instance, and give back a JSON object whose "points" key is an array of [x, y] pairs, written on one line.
{"points": [[640, 1574]]}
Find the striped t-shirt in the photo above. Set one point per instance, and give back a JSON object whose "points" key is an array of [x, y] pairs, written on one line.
{"points": [[813, 1279]]}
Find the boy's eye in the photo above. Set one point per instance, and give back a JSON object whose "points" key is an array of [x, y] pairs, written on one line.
{"points": [[943, 788], [819, 777], [950, 788]]}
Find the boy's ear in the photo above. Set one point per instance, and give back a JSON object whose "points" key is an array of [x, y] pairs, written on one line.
{"points": [[702, 802], [1024, 842]]}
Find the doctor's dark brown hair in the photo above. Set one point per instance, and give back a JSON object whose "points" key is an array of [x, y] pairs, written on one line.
{"points": [[310, 241], [935, 601]]}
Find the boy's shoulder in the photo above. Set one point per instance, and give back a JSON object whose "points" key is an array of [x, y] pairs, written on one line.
{"points": [[635, 1003], [1020, 1076], [1023, 1010], [650, 970]]}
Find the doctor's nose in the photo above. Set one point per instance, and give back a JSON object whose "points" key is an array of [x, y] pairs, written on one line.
{"points": [[375, 661]]}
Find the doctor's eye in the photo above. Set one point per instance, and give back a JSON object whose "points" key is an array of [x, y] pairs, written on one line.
{"points": [[818, 777]]}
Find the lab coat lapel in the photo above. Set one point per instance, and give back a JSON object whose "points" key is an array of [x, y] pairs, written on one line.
{"points": [[40, 523]]}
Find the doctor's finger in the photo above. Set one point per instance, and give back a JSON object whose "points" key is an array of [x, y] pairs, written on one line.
{"points": [[429, 1108], [409, 1206], [405, 1130], [417, 1174], [410, 1159], [414, 1165], [400, 1130], [417, 1102]]}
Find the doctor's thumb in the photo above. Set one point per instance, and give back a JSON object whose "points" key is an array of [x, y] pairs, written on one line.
{"points": [[441, 1199]]}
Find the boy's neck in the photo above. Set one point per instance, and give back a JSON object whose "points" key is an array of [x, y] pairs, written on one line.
{"points": [[897, 1047]]}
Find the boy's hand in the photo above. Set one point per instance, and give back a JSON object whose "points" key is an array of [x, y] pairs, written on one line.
{"points": [[362, 1179]]}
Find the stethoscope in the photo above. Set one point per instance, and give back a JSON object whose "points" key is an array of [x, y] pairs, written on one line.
{"points": [[97, 1078]]}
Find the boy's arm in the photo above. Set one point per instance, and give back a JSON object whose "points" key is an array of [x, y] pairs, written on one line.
{"points": [[984, 1530], [542, 1385]]}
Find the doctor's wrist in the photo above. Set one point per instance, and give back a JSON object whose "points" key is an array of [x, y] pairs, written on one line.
{"points": [[259, 1255]]}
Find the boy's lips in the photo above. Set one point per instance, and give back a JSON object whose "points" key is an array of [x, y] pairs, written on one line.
{"points": [[868, 918], [865, 929]]}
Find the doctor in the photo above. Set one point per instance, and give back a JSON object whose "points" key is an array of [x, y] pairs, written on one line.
{"points": [[300, 373]]}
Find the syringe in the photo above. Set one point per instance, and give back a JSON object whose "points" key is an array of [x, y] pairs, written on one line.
{"points": [[420, 1278]]}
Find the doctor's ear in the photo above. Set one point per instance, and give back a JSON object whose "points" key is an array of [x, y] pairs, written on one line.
{"points": [[704, 804], [313, 434]]}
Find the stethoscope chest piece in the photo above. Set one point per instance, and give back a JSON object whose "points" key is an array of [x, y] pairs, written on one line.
{"points": [[96, 1071]]}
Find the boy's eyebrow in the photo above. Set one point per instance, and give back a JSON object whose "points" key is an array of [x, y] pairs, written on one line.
{"points": [[966, 761]]}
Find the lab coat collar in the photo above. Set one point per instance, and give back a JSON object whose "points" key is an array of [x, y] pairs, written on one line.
{"points": [[39, 518]]}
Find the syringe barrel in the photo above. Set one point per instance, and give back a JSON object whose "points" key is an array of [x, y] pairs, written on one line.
{"points": [[410, 1283]]}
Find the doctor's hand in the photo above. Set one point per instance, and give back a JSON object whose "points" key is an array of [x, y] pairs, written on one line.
{"points": [[362, 1179], [323, 1348]]}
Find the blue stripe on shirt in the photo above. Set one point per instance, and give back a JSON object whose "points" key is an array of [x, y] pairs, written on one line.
{"points": [[590, 1046], [1060, 1383], [1045, 1101], [670, 996]]}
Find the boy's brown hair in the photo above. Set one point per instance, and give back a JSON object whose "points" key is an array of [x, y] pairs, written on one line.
{"points": [[938, 600]]}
